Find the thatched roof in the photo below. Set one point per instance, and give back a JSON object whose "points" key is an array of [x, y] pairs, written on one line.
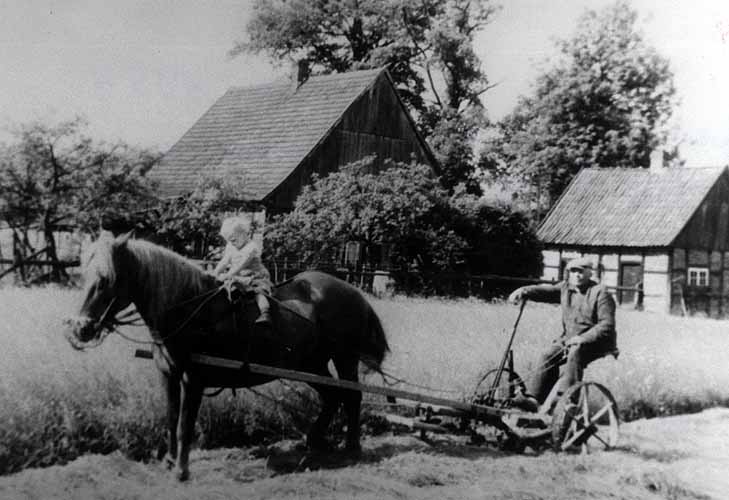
{"points": [[261, 133], [627, 207]]}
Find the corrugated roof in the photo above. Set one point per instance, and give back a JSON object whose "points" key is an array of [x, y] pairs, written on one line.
{"points": [[260, 132], [627, 207]]}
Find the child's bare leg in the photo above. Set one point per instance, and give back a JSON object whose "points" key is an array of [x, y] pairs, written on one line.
{"points": [[264, 308]]}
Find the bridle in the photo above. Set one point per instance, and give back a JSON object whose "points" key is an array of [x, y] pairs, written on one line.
{"points": [[103, 318]]}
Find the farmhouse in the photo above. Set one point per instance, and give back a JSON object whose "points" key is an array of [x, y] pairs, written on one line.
{"points": [[661, 230], [276, 136]]}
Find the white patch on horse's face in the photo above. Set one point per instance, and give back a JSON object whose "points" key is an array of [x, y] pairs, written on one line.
{"points": [[99, 281], [98, 264]]}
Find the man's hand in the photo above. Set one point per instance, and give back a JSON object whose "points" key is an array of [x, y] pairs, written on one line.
{"points": [[517, 296], [576, 340]]}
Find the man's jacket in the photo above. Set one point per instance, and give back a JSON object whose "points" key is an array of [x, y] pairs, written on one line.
{"points": [[588, 311]]}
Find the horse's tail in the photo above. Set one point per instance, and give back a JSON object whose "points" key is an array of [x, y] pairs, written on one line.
{"points": [[374, 346]]}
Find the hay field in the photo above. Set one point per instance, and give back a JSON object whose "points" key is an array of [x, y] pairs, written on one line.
{"points": [[57, 404], [667, 364]]}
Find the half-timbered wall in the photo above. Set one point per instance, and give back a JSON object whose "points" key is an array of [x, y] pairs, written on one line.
{"points": [[611, 264], [664, 274], [656, 281], [707, 296], [702, 247]]}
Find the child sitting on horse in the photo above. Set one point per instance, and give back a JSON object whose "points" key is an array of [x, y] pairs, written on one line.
{"points": [[241, 265]]}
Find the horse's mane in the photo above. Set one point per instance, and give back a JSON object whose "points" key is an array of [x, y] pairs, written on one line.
{"points": [[165, 277]]}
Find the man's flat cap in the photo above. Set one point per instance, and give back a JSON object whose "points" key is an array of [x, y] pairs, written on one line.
{"points": [[580, 263]]}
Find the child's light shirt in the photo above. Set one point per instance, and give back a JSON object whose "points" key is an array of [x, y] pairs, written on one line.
{"points": [[248, 258]]}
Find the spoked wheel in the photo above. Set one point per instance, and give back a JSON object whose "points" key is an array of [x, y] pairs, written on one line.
{"points": [[486, 394], [586, 417]]}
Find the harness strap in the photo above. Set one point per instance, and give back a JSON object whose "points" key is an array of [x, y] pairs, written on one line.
{"points": [[192, 315], [102, 319]]}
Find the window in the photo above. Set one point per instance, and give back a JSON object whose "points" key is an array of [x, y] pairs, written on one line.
{"points": [[352, 253], [698, 276]]}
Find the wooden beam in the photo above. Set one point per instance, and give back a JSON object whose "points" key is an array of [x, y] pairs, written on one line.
{"points": [[413, 423], [469, 409]]}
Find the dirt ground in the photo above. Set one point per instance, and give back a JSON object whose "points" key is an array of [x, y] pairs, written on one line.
{"points": [[683, 457]]}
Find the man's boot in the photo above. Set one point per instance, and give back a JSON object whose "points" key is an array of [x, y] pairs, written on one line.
{"points": [[525, 402]]}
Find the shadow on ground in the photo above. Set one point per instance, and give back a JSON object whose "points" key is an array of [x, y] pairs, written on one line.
{"points": [[297, 458]]}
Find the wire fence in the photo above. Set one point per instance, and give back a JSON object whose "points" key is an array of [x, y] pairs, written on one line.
{"points": [[422, 283], [377, 282], [35, 270]]}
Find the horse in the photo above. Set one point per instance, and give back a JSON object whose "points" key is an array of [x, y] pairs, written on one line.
{"points": [[317, 318]]}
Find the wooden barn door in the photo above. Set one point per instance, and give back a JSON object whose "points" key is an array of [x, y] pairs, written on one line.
{"points": [[631, 273]]}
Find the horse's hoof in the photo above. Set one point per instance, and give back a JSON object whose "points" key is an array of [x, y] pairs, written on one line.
{"points": [[182, 474], [168, 461]]}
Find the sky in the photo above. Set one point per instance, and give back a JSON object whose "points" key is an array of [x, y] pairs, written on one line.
{"points": [[143, 72]]}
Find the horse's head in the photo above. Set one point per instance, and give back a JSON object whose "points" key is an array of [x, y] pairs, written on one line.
{"points": [[106, 292]]}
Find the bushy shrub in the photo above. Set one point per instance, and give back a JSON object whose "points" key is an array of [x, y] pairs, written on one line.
{"points": [[402, 207]]}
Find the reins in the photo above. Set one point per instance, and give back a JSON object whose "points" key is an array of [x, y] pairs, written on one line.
{"points": [[210, 294], [130, 319]]}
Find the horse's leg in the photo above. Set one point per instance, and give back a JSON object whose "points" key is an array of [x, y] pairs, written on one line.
{"points": [[172, 390], [348, 369], [191, 395], [316, 439]]}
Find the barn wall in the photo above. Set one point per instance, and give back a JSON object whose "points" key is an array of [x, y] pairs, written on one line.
{"points": [[708, 228], [379, 116], [374, 124]]}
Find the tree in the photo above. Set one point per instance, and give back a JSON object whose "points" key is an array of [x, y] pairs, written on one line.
{"points": [[501, 240], [604, 104], [421, 43], [402, 208], [55, 176]]}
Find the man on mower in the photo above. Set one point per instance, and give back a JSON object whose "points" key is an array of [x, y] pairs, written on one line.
{"points": [[588, 329]]}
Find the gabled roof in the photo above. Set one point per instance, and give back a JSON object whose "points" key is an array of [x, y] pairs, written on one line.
{"points": [[627, 207], [260, 132]]}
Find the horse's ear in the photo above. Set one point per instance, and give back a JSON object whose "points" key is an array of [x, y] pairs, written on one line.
{"points": [[123, 238]]}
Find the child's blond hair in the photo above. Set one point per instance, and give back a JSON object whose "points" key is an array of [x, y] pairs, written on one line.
{"points": [[234, 225]]}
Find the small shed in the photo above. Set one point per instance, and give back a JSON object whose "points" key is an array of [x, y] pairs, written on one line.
{"points": [[275, 136], [659, 234]]}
